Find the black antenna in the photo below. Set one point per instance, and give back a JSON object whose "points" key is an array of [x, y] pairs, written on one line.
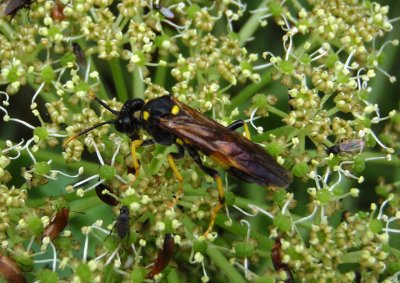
{"points": [[71, 138], [102, 103]]}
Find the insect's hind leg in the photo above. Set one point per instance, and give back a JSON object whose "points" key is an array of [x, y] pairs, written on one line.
{"points": [[171, 157], [238, 124], [221, 193]]}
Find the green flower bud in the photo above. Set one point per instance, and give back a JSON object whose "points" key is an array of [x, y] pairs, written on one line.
{"points": [[41, 133], [84, 272], [275, 8], [200, 246], [286, 67], [191, 11], [300, 169], [107, 172], [324, 196], [259, 100], [305, 59], [42, 168], [283, 223], [382, 190], [12, 75], [25, 261], [64, 243], [46, 276], [48, 74], [274, 149], [82, 86], [35, 224], [375, 225], [279, 197], [359, 164], [138, 274], [243, 249]]}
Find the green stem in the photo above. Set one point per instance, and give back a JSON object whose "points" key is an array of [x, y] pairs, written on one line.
{"points": [[161, 73], [302, 142], [230, 271], [276, 111], [332, 111], [138, 85], [249, 91], [251, 25], [293, 133], [297, 5], [395, 161], [325, 99], [244, 203], [6, 30], [119, 81]]}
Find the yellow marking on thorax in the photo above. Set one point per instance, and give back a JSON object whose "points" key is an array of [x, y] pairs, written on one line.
{"points": [[175, 110], [179, 141], [146, 115]]}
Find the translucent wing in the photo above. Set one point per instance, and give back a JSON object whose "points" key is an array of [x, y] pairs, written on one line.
{"points": [[247, 160]]}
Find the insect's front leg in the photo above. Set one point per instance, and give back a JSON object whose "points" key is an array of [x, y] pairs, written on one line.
{"points": [[238, 124], [135, 144], [213, 173], [178, 176]]}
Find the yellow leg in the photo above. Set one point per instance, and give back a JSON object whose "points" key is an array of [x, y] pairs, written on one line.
{"points": [[217, 208], [91, 94], [272, 189], [179, 177], [70, 139], [246, 131], [134, 145]]}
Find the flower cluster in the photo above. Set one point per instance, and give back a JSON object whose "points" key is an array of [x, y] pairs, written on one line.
{"points": [[314, 82]]}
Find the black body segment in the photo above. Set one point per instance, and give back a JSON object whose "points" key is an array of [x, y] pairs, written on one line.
{"points": [[13, 6], [122, 225], [79, 54], [106, 198], [346, 146]]}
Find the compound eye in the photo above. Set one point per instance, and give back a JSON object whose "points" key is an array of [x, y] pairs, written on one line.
{"points": [[122, 125]]}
